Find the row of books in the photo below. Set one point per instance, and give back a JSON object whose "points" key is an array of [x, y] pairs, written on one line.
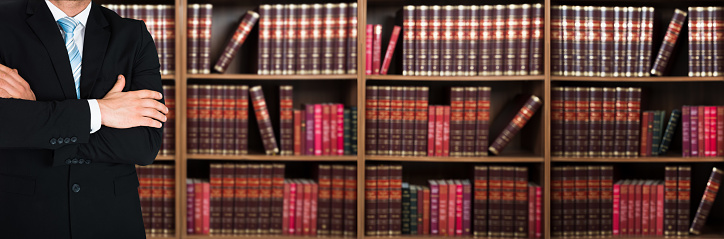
{"points": [[198, 57], [639, 209], [157, 195], [702, 131], [655, 139], [582, 201], [595, 121], [320, 129], [601, 41], [308, 39], [168, 145], [706, 49], [453, 207], [373, 49], [256, 199], [218, 119], [473, 40], [161, 23]]}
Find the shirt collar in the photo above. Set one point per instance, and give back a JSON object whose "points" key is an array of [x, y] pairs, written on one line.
{"points": [[82, 17]]}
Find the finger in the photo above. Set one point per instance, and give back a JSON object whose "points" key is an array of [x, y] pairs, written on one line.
{"points": [[148, 94], [154, 114], [9, 86], [5, 94], [20, 79], [4, 68], [148, 122], [120, 83], [147, 103], [11, 80]]}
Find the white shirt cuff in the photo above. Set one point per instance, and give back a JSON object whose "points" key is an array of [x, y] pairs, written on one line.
{"points": [[95, 111]]}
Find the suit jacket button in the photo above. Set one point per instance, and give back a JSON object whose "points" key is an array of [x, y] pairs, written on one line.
{"points": [[75, 161], [66, 140], [73, 139], [75, 188], [60, 140], [68, 161], [81, 161], [53, 141], [87, 161]]}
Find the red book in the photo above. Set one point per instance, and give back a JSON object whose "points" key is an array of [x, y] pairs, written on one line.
{"points": [[451, 207], [370, 200], [425, 212], [285, 208], [340, 129], [324, 201], [623, 216], [644, 135], [645, 207], [286, 119], [201, 207], [616, 209], [390, 49], [431, 135], [635, 220], [538, 212], [307, 209], [333, 130], [297, 132], [446, 131], [712, 131], [313, 212], [530, 196], [240, 197], [376, 49], [369, 41], [701, 136], [660, 209], [299, 214], [227, 197], [326, 129], [458, 208], [443, 207], [318, 118], [439, 114], [292, 207], [350, 201], [720, 131], [337, 201]]}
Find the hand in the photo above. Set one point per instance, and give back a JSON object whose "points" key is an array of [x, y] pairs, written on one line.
{"points": [[14, 86], [123, 110]]}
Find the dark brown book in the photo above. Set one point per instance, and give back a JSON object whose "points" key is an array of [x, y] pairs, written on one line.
{"points": [[337, 201], [582, 121], [608, 121], [517, 123], [485, 40], [512, 37], [253, 202], [447, 43], [457, 110], [668, 45], [471, 40], [537, 23], [434, 39], [569, 122], [232, 47], [156, 199], [169, 131], [460, 38], [383, 200], [227, 198], [216, 207], [241, 177], [265, 199], [707, 201], [591, 40], [480, 201], [169, 200], [507, 201], [594, 200], [557, 123], [568, 205], [606, 200], [396, 199], [556, 201], [241, 122], [408, 41], [521, 202], [340, 37], [316, 38], [328, 50], [324, 201], [422, 65], [408, 120], [670, 201], [595, 121], [350, 201], [384, 131], [421, 120], [217, 120], [290, 35], [371, 99], [205, 17], [683, 200], [303, 39], [523, 31], [263, 121], [578, 44], [277, 199], [144, 194], [396, 120], [352, 39], [632, 41], [265, 33], [633, 121], [606, 42], [286, 119], [371, 200], [482, 120], [277, 38], [495, 225], [620, 132], [205, 121], [194, 33], [469, 121], [229, 120], [581, 200]]}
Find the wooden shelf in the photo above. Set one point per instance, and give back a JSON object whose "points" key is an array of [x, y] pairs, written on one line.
{"points": [[260, 237], [165, 157], [346, 158], [454, 78], [167, 77], [510, 159], [638, 79], [269, 77], [665, 159]]}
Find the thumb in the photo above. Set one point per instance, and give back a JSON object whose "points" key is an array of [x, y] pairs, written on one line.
{"points": [[118, 87]]}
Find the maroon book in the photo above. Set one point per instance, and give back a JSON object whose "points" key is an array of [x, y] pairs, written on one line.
{"points": [[595, 121], [537, 22], [469, 121], [229, 116], [485, 40], [457, 103], [371, 99], [316, 39], [277, 37], [608, 122], [337, 201], [376, 49], [482, 121], [521, 202], [581, 200], [421, 120], [169, 132], [480, 201], [620, 140], [215, 179], [494, 201], [205, 16], [592, 38], [512, 39], [582, 121], [328, 50], [421, 31], [352, 39], [408, 121], [507, 201], [556, 201], [265, 199], [461, 14], [384, 131], [524, 38], [606, 42], [557, 122], [303, 39], [683, 200], [205, 121], [232, 47], [227, 198], [447, 43], [408, 41], [194, 33], [472, 38], [371, 200], [241, 122], [265, 32], [286, 119], [707, 201], [290, 35], [324, 201], [263, 120], [395, 199], [606, 200], [340, 37], [350, 201], [521, 118], [277, 199], [633, 121], [217, 120], [670, 200], [569, 122], [396, 120], [241, 177], [144, 194], [594, 200], [568, 205], [383, 200], [253, 202]]}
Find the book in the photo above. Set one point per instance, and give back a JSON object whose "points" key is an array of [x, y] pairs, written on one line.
{"points": [[286, 120], [683, 200], [262, 117], [376, 49], [232, 47], [707, 200], [669, 132], [324, 202], [370, 200], [520, 119], [215, 179], [668, 45], [350, 201], [390, 50]]}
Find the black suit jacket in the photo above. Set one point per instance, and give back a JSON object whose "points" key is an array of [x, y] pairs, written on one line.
{"points": [[45, 190]]}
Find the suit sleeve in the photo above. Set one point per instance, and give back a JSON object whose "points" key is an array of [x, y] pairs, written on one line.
{"points": [[137, 145]]}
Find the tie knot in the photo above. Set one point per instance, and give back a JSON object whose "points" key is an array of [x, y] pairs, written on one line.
{"points": [[68, 24]]}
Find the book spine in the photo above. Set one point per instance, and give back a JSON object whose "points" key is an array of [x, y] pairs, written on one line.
{"points": [[556, 206], [383, 200], [241, 121], [341, 36], [390, 50], [324, 200], [277, 199], [205, 16], [594, 30], [511, 39], [685, 131], [293, 207], [446, 131], [439, 121], [568, 195], [253, 209], [194, 34], [286, 119], [582, 121], [406, 194], [421, 33], [408, 41], [616, 209], [632, 38], [205, 121], [353, 130], [262, 117], [694, 131], [524, 39], [303, 39], [421, 121], [414, 192], [457, 102], [447, 46], [557, 121], [608, 122], [619, 149], [232, 47], [594, 201], [309, 146], [472, 38], [434, 208], [333, 126], [352, 39], [227, 197], [329, 35], [539, 212], [469, 121], [507, 203], [265, 198], [408, 121], [569, 122], [297, 132], [316, 39], [384, 131], [266, 22], [670, 201], [707, 200], [595, 124], [205, 209], [623, 219], [228, 115], [606, 41], [668, 45], [376, 49], [451, 207], [371, 200], [536, 40], [443, 208], [426, 208], [692, 25], [460, 38], [531, 210], [326, 129], [525, 113], [144, 192], [337, 201], [369, 42], [494, 201], [434, 37], [318, 129], [190, 198], [645, 208], [579, 41], [431, 130], [340, 128], [482, 121], [395, 199], [217, 120], [485, 40], [241, 177], [350, 201], [719, 129], [467, 208], [215, 179], [606, 201], [645, 135], [458, 222], [581, 197], [306, 213], [683, 200], [285, 208], [396, 120], [371, 120], [521, 202], [169, 134]]}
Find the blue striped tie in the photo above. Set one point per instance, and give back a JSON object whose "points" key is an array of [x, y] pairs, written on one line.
{"points": [[68, 24]]}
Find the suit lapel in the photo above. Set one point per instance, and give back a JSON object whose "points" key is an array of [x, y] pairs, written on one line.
{"points": [[94, 50], [44, 26]]}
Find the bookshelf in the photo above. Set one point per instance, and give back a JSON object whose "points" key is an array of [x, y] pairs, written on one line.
{"points": [[532, 149]]}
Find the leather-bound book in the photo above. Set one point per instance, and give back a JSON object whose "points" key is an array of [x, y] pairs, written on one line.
{"points": [[309, 140], [190, 197], [482, 121], [228, 120], [414, 191], [286, 119], [406, 220], [557, 121], [646, 42], [395, 199], [606, 42], [520, 119], [324, 200], [582, 121], [371, 200], [619, 44], [557, 31], [383, 200], [592, 39], [241, 197], [316, 38], [495, 201], [265, 34], [390, 50], [350, 201], [265, 198], [457, 103], [670, 200], [594, 200], [434, 208], [169, 133], [145, 183], [581, 200], [376, 49], [707, 200], [443, 208], [683, 200], [205, 20], [227, 198], [632, 40], [422, 36], [408, 42], [263, 120], [595, 121], [241, 122], [205, 121], [396, 123], [297, 138], [215, 179], [340, 37], [537, 23], [217, 120], [633, 121], [472, 38], [620, 133], [460, 38], [521, 203], [194, 35], [352, 39], [337, 201], [384, 131], [408, 120], [606, 201], [329, 43], [512, 39], [447, 43], [421, 120], [253, 202], [156, 199], [232, 47], [467, 208], [371, 99], [570, 144], [303, 39], [346, 132], [608, 123], [434, 39], [507, 202], [277, 198], [353, 131], [446, 131], [326, 129], [568, 207], [277, 39], [469, 121], [522, 67], [485, 40], [578, 53], [556, 201]]}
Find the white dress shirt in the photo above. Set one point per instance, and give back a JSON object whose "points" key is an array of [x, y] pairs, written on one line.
{"points": [[79, 38]]}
